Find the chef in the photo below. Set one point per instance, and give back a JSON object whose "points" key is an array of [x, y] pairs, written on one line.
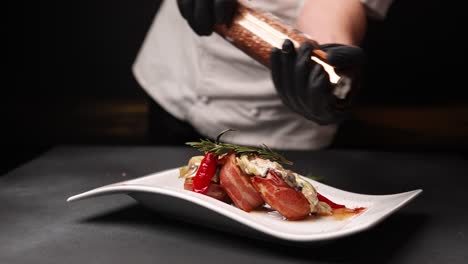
{"points": [[201, 84]]}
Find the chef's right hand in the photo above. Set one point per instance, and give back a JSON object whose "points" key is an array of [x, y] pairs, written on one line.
{"points": [[203, 15], [304, 86]]}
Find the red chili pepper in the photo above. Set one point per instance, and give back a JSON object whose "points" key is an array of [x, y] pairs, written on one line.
{"points": [[330, 203], [205, 173]]}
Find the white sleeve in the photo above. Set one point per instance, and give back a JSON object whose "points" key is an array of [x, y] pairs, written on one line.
{"points": [[377, 8]]}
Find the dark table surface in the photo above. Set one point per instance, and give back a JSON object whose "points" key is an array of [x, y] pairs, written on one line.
{"points": [[38, 226]]}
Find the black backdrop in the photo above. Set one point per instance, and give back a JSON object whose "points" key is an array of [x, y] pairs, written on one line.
{"points": [[67, 55]]}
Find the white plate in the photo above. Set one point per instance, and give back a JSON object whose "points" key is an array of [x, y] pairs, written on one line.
{"points": [[164, 193]]}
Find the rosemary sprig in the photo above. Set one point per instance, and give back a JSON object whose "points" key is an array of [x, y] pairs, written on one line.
{"points": [[219, 148]]}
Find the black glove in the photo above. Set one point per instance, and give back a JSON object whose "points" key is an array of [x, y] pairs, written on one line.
{"points": [[304, 86], [202, 15]]}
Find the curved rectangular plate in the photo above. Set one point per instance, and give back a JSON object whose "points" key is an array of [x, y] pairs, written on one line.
{"points": [[164, 192]]}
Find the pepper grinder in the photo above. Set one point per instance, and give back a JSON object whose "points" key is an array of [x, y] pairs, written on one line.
{"points": [[256, 32]]}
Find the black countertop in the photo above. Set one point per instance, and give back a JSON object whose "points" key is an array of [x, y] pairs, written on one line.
{"points": [[37, 225]]}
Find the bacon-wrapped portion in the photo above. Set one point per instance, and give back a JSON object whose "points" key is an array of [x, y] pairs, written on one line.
{"points": [[280, 196], [214, 190], [238, 185]]}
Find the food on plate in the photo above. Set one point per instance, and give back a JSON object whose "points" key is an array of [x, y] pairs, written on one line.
{"points": [[252, 178], [238, 185]]}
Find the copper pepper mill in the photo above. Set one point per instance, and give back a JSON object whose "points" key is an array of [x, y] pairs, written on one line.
{"points": [[256, 32]]}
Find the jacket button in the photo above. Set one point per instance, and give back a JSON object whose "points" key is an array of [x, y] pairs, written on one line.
{"points": [[204, 99], [254, 112]]}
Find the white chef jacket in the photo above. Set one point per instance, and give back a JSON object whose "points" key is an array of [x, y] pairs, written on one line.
{"points": [[214, 86]]}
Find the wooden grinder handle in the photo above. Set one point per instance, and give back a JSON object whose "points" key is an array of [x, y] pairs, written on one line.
{"points": [[256, 33]]}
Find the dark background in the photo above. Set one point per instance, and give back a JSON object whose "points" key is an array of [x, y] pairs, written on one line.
{"points": [[68, 78]]}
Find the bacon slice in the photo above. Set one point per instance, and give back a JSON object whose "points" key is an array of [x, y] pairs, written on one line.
{"points": [[238, 185], [288, 202], [214, 190]]}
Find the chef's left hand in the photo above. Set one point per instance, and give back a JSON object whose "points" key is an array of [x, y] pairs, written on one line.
{"points": [[304, 86], [203, 15]]}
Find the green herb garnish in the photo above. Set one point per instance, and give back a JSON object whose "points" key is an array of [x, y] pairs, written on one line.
{"points": [[315, 178], [219, 148]]}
